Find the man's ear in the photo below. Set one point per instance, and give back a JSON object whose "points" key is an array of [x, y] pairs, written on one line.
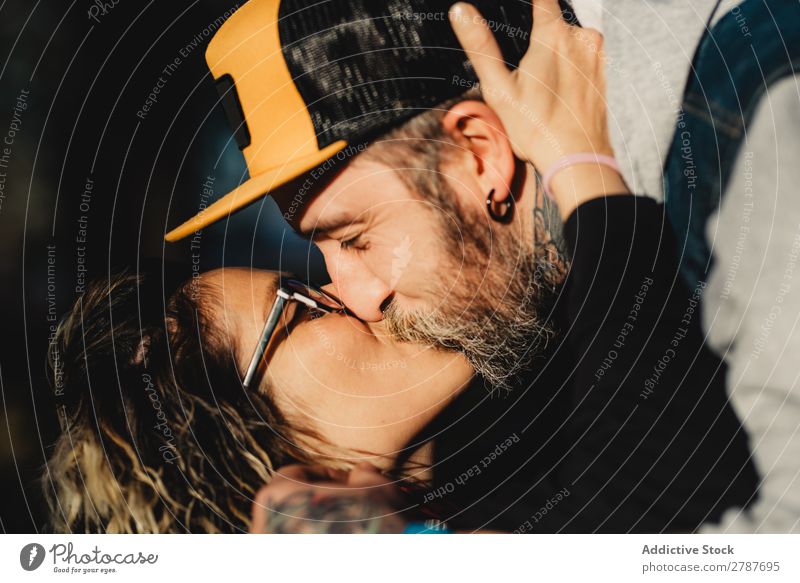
{"points": [[476, 127]]}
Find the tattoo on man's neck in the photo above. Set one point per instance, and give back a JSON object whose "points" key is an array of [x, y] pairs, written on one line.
{"points": [[548, 233], [306, 512]]}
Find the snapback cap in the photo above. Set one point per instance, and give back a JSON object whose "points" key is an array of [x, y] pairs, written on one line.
{"points": [[299, 80]]}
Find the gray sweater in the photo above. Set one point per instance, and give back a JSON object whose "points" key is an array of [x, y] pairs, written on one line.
{"points": [[752, 305]]}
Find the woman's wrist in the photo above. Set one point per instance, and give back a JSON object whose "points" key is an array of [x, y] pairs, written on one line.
{"points": [[574, 185]]}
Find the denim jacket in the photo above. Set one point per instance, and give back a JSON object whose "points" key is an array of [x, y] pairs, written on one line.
{"points": [[749, 49]]}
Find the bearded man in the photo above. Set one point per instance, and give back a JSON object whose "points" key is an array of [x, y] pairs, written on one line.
{"points": [[490, 220]]}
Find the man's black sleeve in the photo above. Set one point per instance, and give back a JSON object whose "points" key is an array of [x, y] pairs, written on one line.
{"points": [[652, 443]]}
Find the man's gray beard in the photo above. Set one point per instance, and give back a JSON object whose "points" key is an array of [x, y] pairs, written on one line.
{"points": [[493, 313]]}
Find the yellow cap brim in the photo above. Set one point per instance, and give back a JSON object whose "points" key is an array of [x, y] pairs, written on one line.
{"points": [[253, 189]]}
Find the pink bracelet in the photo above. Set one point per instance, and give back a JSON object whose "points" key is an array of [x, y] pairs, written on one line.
{"points": [[572, 160]]}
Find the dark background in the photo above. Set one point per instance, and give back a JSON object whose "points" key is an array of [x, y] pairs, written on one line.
{"points": [[86, 80]]}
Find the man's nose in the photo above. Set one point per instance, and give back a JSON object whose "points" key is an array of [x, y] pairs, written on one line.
{"points": [[362, 291]]}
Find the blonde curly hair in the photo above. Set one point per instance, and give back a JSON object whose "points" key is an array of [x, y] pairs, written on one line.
{"points": [[158, 434]]}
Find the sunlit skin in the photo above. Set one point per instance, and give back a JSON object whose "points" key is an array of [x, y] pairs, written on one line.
{"points": [[341, 377], [362, 215], [381, 241], [377, 240]]}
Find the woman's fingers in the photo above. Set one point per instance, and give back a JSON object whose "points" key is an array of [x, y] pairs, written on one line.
{"points": [[480, 45], [552, 105]]}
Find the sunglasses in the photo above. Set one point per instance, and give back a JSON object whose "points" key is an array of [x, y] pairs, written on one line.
{"points": [[290, 290]]}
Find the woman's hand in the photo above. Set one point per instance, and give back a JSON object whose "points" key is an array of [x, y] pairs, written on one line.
{"points": [[316, 499], [553, 104]]}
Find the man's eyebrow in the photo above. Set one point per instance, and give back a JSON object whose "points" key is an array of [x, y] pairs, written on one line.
{"points": [[323, 227]]}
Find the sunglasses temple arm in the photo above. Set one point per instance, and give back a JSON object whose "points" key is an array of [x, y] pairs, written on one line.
{"points": [[266, 334]]}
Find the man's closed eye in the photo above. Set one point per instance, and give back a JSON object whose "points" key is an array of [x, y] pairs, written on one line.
{"points": [[356, 243]]}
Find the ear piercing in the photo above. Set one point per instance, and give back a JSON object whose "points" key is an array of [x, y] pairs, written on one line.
{"points": [[501, 212]]}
